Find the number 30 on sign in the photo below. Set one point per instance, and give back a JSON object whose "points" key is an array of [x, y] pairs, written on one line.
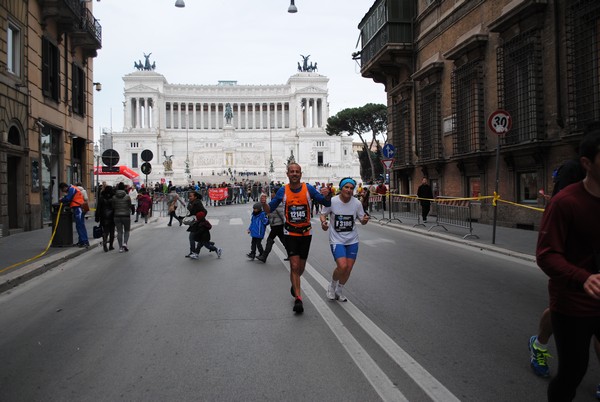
{"points": [[500, 122]]}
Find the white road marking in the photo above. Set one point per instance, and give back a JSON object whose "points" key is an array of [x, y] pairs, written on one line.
{"points": [[380, 382], [377, 242], [378, 379], [236, 221]]}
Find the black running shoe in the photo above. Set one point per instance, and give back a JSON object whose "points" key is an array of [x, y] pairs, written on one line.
{"points": [[262, 258], [298, 307]]}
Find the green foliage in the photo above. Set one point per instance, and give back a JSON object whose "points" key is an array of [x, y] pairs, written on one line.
{"points": [[370, 118], [360, 120]]}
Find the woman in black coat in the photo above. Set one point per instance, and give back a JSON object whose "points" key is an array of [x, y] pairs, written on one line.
{"points": [[105, 216]]}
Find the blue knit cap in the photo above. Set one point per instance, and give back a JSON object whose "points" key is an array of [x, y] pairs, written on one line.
{"points": [[347, 180]]}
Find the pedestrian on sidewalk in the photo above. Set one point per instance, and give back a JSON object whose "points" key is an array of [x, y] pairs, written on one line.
{"points": [[382, 191], [144, 205], [133, 194], [201, 229], [364, 198], [257, 228], [121, 204], [339, 219], [74, 199], [106, 217], [276, 226], [297, 198], [425, 195], [568, 251]]}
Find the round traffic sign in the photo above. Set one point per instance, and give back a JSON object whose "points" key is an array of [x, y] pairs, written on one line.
{"points": [[500, 122], [147, 155], [388, 151], [146, 168], [110, 157]]}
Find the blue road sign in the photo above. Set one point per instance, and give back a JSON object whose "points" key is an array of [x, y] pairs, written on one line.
{"points": [[389, 151]]}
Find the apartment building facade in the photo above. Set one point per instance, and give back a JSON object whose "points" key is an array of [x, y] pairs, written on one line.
{"points": [[447, 65], [47, 49]]}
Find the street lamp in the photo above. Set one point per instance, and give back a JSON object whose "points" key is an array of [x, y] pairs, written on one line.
{"points": [[292, 8], [187, 135], [97, 155], [271, 169]]}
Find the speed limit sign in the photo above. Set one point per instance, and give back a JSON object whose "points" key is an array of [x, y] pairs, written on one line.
{"points": [[500, 122]]}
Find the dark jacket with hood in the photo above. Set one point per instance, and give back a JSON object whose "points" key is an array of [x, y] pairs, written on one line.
{"points": [[121, 203]]}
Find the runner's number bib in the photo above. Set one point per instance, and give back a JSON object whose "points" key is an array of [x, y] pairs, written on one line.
{"points": [[343, 223]]}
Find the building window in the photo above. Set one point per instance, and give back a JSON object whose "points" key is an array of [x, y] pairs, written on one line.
{"points": [[134, 160], [583, 58], [319, 158], [78, 90], [474, 183], [429, 139], [528, 185], [50, 70], [520, 89], [401, 129], [14, 49], [467, 106], [320, 143]]}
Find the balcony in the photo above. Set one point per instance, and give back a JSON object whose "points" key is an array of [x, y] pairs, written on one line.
{"points": [[73, 18], [387, 38]]}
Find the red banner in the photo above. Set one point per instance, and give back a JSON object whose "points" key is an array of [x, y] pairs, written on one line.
{"points": [[217, 194]]}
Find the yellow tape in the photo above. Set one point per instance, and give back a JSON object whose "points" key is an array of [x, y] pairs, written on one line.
{"points": [[495, 199], [47, 247]]}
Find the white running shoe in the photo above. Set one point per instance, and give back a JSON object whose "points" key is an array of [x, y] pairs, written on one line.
{"points": [[194, 256], [219, 252], [339, 296], [330, 292]]}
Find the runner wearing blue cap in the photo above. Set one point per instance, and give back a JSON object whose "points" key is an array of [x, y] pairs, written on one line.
{"points": [[339, 219]]}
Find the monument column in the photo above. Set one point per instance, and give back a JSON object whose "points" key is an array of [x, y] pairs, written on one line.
{"points": [[194, 117], [138, 109]]}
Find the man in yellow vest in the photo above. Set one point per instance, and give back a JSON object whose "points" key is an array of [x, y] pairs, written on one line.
{"points": [[74, 199]]}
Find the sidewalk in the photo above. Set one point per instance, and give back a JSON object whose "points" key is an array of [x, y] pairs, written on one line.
{"points": [[20, 247]]}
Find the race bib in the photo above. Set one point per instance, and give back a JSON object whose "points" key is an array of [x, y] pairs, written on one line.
{"points": [[343, 223], [297, 214]]}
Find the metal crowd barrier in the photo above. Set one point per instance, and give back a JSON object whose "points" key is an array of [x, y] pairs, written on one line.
{"points": [[159, 204], [375, 202], [403, 206], [454, 213]]}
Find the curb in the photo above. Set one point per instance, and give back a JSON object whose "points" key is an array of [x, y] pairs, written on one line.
{"points": [[482, 246], [45, 264]]}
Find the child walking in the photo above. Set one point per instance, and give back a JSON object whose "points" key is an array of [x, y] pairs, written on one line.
{"points": [[257, 228], [201, 229]]}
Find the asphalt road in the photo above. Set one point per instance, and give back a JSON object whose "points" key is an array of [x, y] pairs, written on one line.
{"points": [[427, 320]]}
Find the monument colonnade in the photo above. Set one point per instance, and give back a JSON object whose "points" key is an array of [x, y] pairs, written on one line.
{"points": [[210, 115]]}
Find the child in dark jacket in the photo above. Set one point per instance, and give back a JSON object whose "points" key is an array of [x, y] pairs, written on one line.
{"points": [[257, 228], [201, 229]]}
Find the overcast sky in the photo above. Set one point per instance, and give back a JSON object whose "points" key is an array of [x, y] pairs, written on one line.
{"points": [[249, 41]]}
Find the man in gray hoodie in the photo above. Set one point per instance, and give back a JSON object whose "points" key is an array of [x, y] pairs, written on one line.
{"points": [[121, 205]]}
